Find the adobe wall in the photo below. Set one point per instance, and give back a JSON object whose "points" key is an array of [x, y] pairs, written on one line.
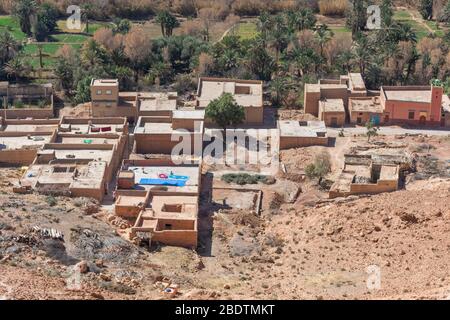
{"points": [[179, 238], [21, 157], [327, 118], [297, 142], [103, 120], [254, 115], [127, 210], [155, 113], [113, 111], [399, 110], [31, 121], [311, 103], [379, 187], [158, 143], [365, 117], [97, 194], [78, 146], [37, 113], [114, 96]]}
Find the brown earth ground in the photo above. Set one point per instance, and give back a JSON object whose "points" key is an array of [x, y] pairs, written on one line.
{"points": [[307, 247]]}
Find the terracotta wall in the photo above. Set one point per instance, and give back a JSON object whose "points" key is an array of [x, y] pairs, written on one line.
{"points": [[327, 118], [43, 113], [159, 143], [179, 238], [20, 157], [297, 142], [114, 111]]}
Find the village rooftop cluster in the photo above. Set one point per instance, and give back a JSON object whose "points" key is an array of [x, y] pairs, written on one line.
{"points": [[124, 148]]}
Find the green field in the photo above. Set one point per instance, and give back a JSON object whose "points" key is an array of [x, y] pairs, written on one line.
{"points": [[7, 23], [340, 29], [405, 17], [247, 30], [49, 49]]}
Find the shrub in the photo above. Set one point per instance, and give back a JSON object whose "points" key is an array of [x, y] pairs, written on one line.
{"points": [[333, 7], [184, 83], [51, 201], [18, 104], [42, 104], [320, 167], [245, 178]]}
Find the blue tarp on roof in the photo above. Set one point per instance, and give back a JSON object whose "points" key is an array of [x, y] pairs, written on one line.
{"points": [[163, 182]]}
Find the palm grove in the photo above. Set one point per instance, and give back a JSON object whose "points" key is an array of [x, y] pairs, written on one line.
{"points": [[289, 49]]}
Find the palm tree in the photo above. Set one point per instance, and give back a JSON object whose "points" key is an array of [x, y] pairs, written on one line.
{"points": [[323, 34], [345, 60], [363, 52], [40, 47], [305, 19], [24, 10], [279, 36], [161, 18], [303, 58], [406, 33], [86, 13], [167, 21], [278, 88], [171, 24], [264, 26], [15, 68], [8, 46]]}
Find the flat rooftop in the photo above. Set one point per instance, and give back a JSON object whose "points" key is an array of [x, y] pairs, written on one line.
{"points": [[419, 95], [158, 101], [147, 177], [64, 152], [366, 105], [23, 142], [30, 128], [91, 129], [147, 125], [89, 176], [290, 128], [356, 82], [73, 139], [315, 87], [247, 93], [105, 82], [389, 173], [189, 114], [332, 105]]}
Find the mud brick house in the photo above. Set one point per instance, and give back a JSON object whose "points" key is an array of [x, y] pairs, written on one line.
{"points": [[161, 198], [20, 139], [80, 159], [109, 101], [351, 85], [160, 134], [412, 104], [247, 93]]}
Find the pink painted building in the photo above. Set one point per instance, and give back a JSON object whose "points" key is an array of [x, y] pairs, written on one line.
{"points": [[412, 104]]}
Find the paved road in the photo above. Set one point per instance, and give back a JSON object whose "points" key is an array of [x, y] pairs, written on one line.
{"points": [[390, 131]]}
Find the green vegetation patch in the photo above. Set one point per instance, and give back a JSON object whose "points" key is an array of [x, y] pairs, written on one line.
{"points": [[245, 178], [247, 30], [8, 23], [69, 38]]}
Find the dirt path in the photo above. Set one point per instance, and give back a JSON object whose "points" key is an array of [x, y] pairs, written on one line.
{"points": [[415, 16]]}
